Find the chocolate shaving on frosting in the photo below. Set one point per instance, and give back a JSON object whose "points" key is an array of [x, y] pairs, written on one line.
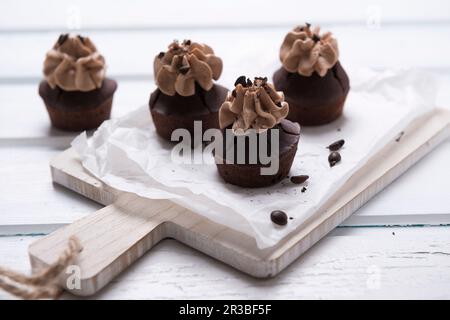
{"points": [[305, 51], [255, 106], [74, 64], [177, 70]]}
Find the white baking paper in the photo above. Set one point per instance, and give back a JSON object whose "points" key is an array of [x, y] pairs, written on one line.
{"points": [[127, 154]]}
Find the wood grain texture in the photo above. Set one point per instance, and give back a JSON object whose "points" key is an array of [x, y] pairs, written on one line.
{"points": [[349, 263], [114, 237], [21, 14]]}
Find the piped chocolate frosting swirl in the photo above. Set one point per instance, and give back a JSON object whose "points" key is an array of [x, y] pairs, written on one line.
{"points": [[305, 50], [183, 64], [74, 64], [252, 105]]}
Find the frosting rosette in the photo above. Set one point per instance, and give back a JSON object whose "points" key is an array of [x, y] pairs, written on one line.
{"points": [[184, 64], [252, 105], [305, 50], [74, 64]]}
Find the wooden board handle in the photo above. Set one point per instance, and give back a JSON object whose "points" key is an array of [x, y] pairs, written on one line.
{"points": [[112, 239]]}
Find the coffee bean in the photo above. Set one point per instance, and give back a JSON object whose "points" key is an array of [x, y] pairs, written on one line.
{"points": [[334, 158], [241, 81], [335, 146], [279, 217], [299, 179]]}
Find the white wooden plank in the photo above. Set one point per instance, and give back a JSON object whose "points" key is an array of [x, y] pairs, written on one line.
{"points": [[244, 51], [354, 263], [27, 195], [21, 14]]}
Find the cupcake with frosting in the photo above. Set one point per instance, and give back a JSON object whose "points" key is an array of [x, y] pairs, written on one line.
{"points": [[311, 76], [186, 92], [255, 130], [75, 90]]}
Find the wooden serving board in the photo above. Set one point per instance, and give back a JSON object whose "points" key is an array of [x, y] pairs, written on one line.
{"points": [[117, 235]]}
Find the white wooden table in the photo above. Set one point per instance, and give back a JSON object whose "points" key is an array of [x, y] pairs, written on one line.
{"points": [[364, 258]]}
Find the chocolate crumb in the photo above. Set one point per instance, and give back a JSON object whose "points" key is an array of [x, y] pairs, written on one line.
{"points": [[299, 179], [240, 80], [279, 217], [335, 146], [304, 189], [184, 69], [261, 81], [291, 218], [161, 54], [334, 158], [399, 137], [62, 38]]}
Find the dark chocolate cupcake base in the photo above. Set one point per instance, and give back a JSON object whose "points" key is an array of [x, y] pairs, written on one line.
{"points": [[77, 110], [249, 175], [314, 100], [172, 112]]}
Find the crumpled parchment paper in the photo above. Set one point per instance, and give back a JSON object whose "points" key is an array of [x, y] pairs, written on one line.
{"points": [[126, 154]]}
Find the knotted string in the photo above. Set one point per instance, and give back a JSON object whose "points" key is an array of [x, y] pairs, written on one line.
{"points": [[43, 284]]}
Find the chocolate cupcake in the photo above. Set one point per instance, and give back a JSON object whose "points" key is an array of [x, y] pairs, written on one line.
{"points": [[254, 131], [311, 77], [75, 91], [186, 92]]}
